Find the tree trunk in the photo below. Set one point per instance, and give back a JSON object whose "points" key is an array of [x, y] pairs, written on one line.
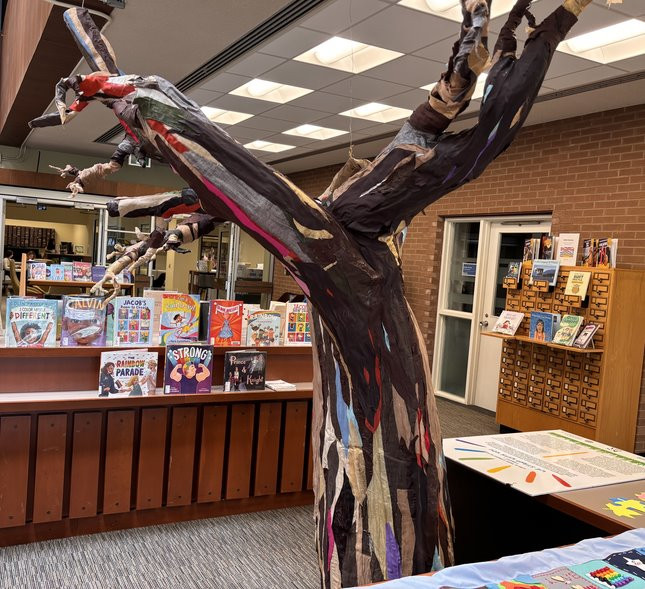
{"points": [[381, 501]]}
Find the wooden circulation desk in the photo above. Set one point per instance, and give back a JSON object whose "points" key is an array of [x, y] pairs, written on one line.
{"points": [[72, 463]]}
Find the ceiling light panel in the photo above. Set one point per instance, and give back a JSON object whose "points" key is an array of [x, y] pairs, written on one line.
{"points": [[268, 146], [348, 56], [451, 9], [315, 132], [377, 112], [270, 91], [225, 117], [613, 43]]}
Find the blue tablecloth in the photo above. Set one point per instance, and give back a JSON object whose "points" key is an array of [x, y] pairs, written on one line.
{"points": [[468, 576]]}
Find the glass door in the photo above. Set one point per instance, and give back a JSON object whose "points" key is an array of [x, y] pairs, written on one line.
{"points": [[475, 258]]}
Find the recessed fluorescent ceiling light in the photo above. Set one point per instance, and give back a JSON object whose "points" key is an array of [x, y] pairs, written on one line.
{"points": [[479, 88], [380, 113], [451, 9], [224, 117], [268, 146], [314, 132], [271, 91], [620, 41], [347, 56]]}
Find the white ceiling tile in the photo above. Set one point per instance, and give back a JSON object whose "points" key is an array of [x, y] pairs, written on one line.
{"points": [[294, 114], [242, 104], [564, 64], [412, 31], [363, 88], [290, 140], [293, 42], [255, 65], [344, 123], [202, 96], [305, 75], [340, 15], [409, 70], [633, 64], [440, 51], [593, 74], [224, 82], [245, 134], [324, 102], [264, 123], [410, 99], [597, 17]]}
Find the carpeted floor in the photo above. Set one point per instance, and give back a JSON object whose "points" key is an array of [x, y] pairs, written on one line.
{"points": [[266, 550]]}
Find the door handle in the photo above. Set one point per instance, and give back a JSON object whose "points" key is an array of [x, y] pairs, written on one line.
{"points": [[483, 324]]}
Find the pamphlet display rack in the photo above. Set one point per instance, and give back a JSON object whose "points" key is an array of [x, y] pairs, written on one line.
{"points": [[593, 392]]}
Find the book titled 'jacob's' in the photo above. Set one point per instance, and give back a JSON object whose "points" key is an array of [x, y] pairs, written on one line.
{"points": [[508, 322], [133, 321], [31, 323], [226, 323], [189, 369], [568, 330], [128, 373], [83, 321], [244, 370], [179, 318]]}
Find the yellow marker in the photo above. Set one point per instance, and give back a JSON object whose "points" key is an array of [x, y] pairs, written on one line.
{"points": [[498, 468]]}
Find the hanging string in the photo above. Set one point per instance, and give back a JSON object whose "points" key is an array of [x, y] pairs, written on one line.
{"points": [[351, 78]]}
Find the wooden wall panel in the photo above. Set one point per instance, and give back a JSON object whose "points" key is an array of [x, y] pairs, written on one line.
{"points": [[293, 453], [240, 451], [50, 467], [211, 457], [268, 448], [86, 457], [182, 455], [152, 452], [118, 462], [14, 469], [310, 467]]}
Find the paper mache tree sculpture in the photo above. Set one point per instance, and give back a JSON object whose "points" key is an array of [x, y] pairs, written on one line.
{"points": [[381, 501]]}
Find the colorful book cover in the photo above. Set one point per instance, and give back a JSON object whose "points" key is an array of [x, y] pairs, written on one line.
{"points": [[528, 250], [156, 296], [133, 321], [226, 323], [604, 253], [514, 270], [244, 370], [68, 270], [82, 271], [98, 272], [179, 318], [280, 307], [263, 329], [37, 271], [587, 252], [586, 335], [567, 248], [31, 323], [246, 315], [543, 326], [128, 373], [83, 321], [567, 332], [189, 369], [508, 322], [545, 270], [56, 272], [298, 330], [546, 247], [577, 284]]}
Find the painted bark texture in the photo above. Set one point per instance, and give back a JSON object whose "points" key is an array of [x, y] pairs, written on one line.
{"points": [[382, 507]]}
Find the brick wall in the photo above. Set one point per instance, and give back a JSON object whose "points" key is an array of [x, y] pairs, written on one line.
{"points": [[588, 172]]}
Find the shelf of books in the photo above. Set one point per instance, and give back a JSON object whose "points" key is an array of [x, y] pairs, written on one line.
{"points": [[572, 354], [150, 410]]}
